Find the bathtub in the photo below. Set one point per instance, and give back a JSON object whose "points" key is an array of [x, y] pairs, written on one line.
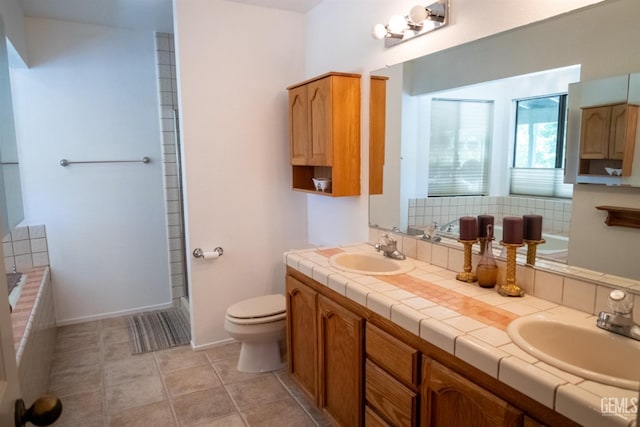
{"points": [[34, 331], [553, 243], [15, 292]]}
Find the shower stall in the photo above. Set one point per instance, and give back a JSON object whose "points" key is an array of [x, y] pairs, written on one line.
{"points": [[170, 129]]}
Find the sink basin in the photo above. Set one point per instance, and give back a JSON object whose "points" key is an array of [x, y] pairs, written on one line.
{"points": [[369, 264], [580, 348]]}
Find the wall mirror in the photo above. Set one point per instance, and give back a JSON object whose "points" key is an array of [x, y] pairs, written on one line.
{"points": [[608, 94], [485, 70]]}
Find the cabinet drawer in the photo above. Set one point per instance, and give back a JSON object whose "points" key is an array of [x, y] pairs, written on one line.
{"points": [[395, 402], [393, 355], [371, 419]]}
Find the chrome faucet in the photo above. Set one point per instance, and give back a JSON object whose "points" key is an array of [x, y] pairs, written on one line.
{"points": [[619, 320], [389, 247]]}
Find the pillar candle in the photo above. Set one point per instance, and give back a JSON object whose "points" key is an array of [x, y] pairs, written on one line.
{"points": [[468, 228], [532, 227], [512, 229], [483, 221]]}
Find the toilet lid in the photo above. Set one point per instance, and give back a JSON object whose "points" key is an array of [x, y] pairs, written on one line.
{"points": [[264, 306]]}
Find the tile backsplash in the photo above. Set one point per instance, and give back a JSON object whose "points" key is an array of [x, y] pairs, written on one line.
{"points": [[443, 210], [25, 247]]}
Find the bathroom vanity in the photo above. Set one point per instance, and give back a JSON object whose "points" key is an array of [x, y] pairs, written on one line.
{"points": [[423, 349]]}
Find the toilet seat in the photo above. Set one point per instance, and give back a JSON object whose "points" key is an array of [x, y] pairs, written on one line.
{"points": [[263, 309]]}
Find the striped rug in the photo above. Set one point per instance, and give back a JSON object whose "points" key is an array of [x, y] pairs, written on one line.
{"points": [[158, 330]]}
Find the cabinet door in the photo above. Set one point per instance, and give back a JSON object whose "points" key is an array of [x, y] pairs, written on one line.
{"points": [[320, 122], [298, 125], [341, 359], [302, 335], [618, 132], [594, 133], [452, 400]]}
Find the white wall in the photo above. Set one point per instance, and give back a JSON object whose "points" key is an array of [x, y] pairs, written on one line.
{"points": [[234, 63], [91, 94]]}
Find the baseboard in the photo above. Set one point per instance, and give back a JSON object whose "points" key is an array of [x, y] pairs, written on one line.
{"points": [[211, 344], [120, 313]]}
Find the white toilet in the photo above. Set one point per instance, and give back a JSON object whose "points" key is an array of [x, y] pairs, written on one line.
{"points": [[259, 324]]}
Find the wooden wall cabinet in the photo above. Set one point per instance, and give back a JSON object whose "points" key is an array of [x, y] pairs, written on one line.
{"points": [[608, 138], [324, 133], [377, 132]]}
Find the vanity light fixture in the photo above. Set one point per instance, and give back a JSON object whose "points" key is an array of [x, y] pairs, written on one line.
{"points": [[420, 20]]}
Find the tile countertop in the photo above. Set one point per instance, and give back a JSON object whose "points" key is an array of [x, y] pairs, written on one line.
{"points": [[470, 322]]}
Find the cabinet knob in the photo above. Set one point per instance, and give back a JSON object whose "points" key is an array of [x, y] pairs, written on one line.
{"points": [[329, 315], [294, 292], [44, 411]]}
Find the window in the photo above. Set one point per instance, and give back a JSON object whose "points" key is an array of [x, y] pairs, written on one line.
{"points": [[460, 147], [540, 137]]}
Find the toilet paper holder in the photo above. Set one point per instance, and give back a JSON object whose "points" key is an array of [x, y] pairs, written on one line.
{"points": [[199, 253]]}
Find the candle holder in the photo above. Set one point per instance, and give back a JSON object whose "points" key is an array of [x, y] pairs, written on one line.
{"points": [[510, 289], [467, 275], [532, 246]]}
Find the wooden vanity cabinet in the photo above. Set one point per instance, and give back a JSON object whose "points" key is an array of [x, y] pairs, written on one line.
{"points": [[364, 370], [324, 133], [608, 138], [392, 377], [302, 335], [340, 362], [325, 344], [452, 400]]}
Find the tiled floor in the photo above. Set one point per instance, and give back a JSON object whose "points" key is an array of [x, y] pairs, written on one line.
{"points": [[101, 384]]}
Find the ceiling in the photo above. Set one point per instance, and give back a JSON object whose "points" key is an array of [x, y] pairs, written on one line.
{"points": [[153, 15]]}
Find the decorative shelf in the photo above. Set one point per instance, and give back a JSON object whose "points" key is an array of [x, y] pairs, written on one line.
{"points": [[621, 217]]}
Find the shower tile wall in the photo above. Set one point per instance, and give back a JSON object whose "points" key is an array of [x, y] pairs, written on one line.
{"points": [[168, 96], [25, 247], [556, 213]]}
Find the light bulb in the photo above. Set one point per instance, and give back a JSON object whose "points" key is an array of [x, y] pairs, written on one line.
{"points": [[417, 14], [379, 31], [397, 24]]}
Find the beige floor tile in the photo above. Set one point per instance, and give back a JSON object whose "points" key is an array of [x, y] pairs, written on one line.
{"points": [[114, 322], [81, 408], [228, 371], [115, 335], [189, 380], [225, 351], [76, 328], [133, 368], [258, 391], [179, 358], [135, 393], [203, 406], [80, 380], [234, 420], [155, 414], [283, 413], [69, 361], [116, 350], [305, 402], [81, 340]]}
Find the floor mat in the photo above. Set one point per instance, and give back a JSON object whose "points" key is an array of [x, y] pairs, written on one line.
{"points": [[158, 330]]}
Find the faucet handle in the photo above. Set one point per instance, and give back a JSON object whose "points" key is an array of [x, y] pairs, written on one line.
{"points": [[620, 302], [388, 239]]}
